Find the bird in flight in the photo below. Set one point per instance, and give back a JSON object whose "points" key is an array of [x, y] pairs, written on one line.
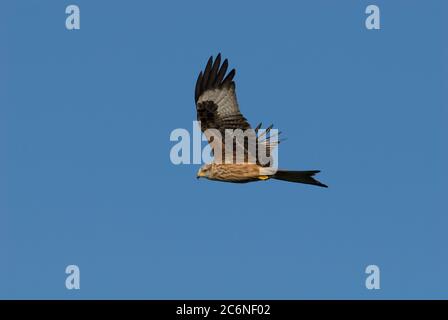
{"points": [[218, 113]]}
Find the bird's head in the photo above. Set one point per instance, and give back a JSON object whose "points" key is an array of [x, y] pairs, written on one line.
{"points": [[204, 171]]}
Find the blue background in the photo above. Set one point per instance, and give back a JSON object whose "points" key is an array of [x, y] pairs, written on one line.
{"points": [[86, 178]]}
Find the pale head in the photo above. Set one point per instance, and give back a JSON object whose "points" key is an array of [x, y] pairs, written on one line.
{"points": [[204, 171]]}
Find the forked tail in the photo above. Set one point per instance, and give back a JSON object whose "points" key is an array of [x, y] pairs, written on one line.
{"points": [[299, 176]]}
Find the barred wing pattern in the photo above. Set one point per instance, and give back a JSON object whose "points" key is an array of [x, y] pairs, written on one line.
{"points": [[217, 108]]}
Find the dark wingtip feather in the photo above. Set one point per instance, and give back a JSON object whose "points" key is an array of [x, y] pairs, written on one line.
{"points": [[214, 72], [227, 80], [214, 75], [207, 70], [222, 72]]}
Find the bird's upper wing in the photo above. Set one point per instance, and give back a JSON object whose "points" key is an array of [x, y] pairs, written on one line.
{"points": [[216, 104], [217, 108]]}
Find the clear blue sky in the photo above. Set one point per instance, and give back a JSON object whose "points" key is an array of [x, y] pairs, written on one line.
{"points": [[86, 179]]}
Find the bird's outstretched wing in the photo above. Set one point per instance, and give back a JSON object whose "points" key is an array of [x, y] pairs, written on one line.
{"points": [[216, 103], [217, 108]]}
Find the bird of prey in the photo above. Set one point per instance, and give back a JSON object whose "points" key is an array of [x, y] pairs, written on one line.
{"points": [[217, 109]]}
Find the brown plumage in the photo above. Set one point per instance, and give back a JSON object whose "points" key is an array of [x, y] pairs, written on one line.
{"points": [[218, 110]]}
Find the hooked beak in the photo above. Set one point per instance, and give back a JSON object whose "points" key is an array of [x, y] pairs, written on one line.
{"points": [[200, 175]]}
